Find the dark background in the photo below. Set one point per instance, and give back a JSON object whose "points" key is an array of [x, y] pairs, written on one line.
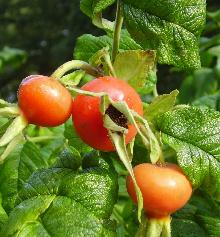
{"points": [[46, 31]]}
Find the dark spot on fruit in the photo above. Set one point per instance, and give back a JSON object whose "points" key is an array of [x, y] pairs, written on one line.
{"points": [[116, 116]]}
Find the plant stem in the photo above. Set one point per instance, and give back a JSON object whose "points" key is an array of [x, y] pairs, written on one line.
{"points": [[117, 31], [75, 64], [109, 64], [166, 232], [154, 228]]}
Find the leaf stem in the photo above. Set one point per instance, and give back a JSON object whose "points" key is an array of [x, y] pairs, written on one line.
{"points": [[117, 31], [75, 64]]}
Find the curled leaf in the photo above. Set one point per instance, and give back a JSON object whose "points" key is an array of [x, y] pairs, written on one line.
{"points": [[119, 142]]}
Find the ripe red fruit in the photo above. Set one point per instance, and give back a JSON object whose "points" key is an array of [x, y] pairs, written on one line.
{"points": [[44, 101], [87, 118], [165, 189]]}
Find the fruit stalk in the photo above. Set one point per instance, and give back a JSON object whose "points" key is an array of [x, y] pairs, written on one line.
{"points": [[154, 227], [73, 65]]}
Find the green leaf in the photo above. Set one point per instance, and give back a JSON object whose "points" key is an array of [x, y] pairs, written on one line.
{"points": [[94, 8], [170, 27], [205, 205], [72, 79], [69, 158], [64, 202], [134, 66], [31, 210], [160, 105], [16, 169], [210, 224], [186, 228], [91, 159], [195, 135], [126, 42], [87, 45]]}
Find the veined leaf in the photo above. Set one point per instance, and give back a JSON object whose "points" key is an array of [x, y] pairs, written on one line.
{"points": [[65, 202], [170, 27], [87, 45], [195, 135]]}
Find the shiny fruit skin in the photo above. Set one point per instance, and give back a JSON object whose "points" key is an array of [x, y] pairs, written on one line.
{"points": [[44, 101], [87, 118], [165, 189]]}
